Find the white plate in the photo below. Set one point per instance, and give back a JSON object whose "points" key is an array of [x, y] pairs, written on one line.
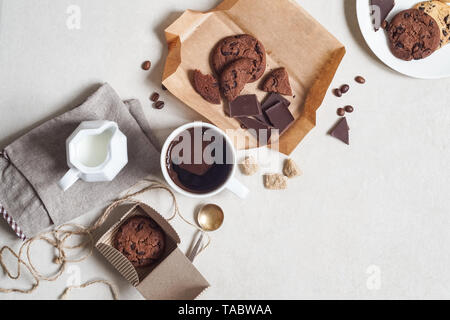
{"points": [[436, 66]]}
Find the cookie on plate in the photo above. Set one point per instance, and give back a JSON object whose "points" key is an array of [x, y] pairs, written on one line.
{"points": [[233, 48], [235, 77], [207, 86], [278, 82], [141, 240], [413, 34], [440, 12]]}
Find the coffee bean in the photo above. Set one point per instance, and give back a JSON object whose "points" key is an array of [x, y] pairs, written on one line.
{"points": [[360, 80], [146, 65], [345, 88], [159, 105], [337, 93], [163, 87], [349, 109], [341, 112], [384, 25], [155, 97], [243, 127]]}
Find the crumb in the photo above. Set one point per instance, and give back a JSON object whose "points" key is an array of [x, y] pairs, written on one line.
{"points": [[291, 169], [275, 181], [249, 167]]}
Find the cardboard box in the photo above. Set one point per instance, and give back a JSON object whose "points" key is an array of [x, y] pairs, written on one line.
{"points": [[174, 277]]}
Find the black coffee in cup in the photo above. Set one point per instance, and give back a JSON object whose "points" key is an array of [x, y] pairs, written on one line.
{"points": [[199, 160]]}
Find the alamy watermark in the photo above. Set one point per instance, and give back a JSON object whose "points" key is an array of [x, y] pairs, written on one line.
{"points": [[373, 281], [73, 21]]}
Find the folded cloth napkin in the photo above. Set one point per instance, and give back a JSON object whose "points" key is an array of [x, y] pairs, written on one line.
{"points": [[31, 167]]}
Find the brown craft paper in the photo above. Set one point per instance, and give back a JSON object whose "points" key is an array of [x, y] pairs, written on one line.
{"points": [[292, 38], [174, 277]]}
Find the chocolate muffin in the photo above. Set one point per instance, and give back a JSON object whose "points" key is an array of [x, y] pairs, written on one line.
{"points": [[413, 34], [141, 240]]}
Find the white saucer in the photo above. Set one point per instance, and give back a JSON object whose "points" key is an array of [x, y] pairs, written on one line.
{"points": [[436, 66]]}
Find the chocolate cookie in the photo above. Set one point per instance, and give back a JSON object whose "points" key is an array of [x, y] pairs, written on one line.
{"points": [[413, 34], [278, 82], [207, 86], [440, 12], [233, 48], [235, 77], [141, 240]]}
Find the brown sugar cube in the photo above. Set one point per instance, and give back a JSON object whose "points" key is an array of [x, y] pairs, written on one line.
{"points": [[249, 166], [291, 169], [275, 181]]}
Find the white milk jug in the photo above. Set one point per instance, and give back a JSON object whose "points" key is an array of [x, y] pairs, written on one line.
{"points": [[96, 152]]}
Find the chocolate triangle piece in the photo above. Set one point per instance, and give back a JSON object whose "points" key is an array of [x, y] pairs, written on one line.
{"points": [[278, 81], [341, 131]]}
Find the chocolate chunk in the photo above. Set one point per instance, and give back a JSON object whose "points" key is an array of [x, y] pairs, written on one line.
{"points": [[278, 81], [280, 117], [270, 101], [245, 106], [380, 11], [273, 99], [261, 130], [207, 86], [341, 131]]}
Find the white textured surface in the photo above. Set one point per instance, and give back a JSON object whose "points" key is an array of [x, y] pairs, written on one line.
{"points": [[382, 202]]}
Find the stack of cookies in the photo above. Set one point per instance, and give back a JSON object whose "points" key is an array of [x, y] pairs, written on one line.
{"points": [[238, 60]]}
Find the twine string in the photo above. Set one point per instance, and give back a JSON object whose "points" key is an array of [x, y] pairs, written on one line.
{"points": [[59, 237]]}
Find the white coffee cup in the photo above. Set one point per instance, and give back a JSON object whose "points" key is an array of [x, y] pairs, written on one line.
{"points": [[96, 152], [231, 183]]}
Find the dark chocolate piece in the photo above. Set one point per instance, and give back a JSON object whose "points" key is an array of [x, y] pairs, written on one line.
{"points": [[273, 99], [341, 131], [380, 9], [245, 106], [280, 117], [255, 127]]}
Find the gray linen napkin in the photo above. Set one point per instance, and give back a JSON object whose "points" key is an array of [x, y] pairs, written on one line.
{"points": [[32, 165]]}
